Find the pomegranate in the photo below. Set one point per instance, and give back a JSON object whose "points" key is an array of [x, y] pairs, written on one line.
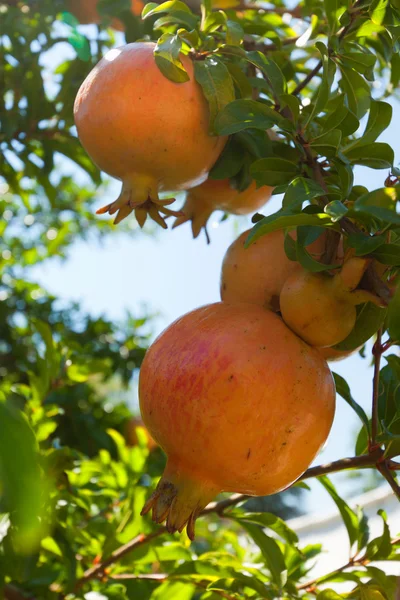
{"points": [[132, 429], [256, 274], [321, 308], [86, 12], [145, 130], [238, 403], [212, 195], [331, 354]]}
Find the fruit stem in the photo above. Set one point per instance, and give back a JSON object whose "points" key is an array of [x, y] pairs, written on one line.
{"points": [[179, 498], [351, 273]]}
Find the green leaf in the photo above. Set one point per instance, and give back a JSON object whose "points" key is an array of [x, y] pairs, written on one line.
{"points": [[271, 552], [380, 116], [273, 171], [329, 595], [328, 143], [394, 316], [336, 210], [153, 9], [217, 85], [388, 254], [369, 319], [377, 11], [306, 236], [20, 472], [301, 190], [333, 10], [229, 162], [272, 72], [245, 114], [364, 244], [357, 91], [234, 33], [282, 220], [324, 89], [166, 55], [269, 521], [380, 203], [349, 517], [342, 388], [380, 547], [376, 156]]}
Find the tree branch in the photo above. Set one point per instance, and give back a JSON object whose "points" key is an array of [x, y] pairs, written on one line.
{"points": [[386, 472], [354, 462], [353, 562], [377, 352]]}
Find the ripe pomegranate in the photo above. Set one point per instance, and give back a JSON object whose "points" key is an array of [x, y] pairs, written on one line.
{"points": [[133, 426], [238, 403], [145, 130], [86, 12], [256, 274], [332, 355], [212, 195], [321, 308]]}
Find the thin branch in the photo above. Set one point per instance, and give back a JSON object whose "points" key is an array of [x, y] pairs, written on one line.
{"points": [[354, 462], [377, 352], [307, 79], [386, 472], [353, 562]]}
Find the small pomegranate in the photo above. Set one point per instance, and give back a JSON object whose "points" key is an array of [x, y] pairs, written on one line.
{"points": [[204, 199], [256, 274], [321, 308], [86, 12], [145, 130], [238, 403], [135, 427], [331, 354]]}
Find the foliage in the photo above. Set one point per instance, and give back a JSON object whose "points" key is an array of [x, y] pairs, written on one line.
{"points": [[71, 490]]}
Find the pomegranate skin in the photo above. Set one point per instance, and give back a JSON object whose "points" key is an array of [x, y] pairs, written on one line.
{"points": [[238, 403], [86, 12], [257, 274], [144, 129], [204, 199]]}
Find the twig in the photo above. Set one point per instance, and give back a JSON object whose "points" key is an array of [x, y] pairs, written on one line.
{"points": [[386, 472], [353, 562], [307, 79], [377, 352], [354, 462]]}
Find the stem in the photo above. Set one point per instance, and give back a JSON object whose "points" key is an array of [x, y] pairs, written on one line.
{"points": [[307, 79], [377, 352], [386, 472], [363, 461], [353, 562]]}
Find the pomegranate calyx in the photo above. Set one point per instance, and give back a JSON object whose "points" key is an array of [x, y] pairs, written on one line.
{"points": [[179, 499]]}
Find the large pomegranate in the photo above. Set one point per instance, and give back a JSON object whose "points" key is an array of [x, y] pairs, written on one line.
{"points": [[86, 12], [238, 403], [144, 129], [256, 274], [204, 199], [320, 307]]}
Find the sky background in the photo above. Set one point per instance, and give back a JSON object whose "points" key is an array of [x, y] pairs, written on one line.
{"points": [[171, 274]]}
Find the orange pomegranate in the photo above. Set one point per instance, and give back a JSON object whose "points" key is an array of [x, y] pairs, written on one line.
{"points": [[145, 130], [331, 354], [86, 12], [204, 199], [321, 308], [238, 403], [134, 429], [256, 274]]}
